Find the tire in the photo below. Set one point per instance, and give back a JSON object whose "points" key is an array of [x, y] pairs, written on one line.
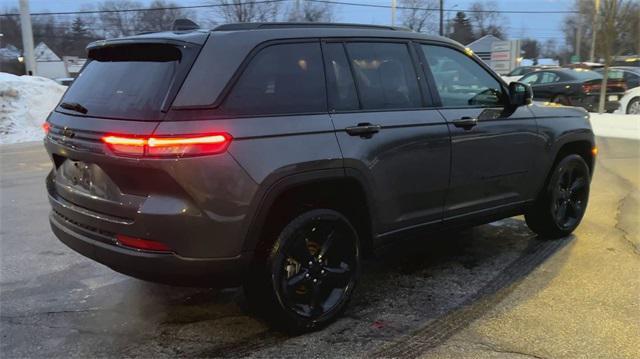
{"points": [[308, 277], [633, 108], [560, 207], [562, 100]]}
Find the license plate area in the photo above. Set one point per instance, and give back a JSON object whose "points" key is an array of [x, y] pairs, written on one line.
{"points": [[613, 98], [88, 178]]}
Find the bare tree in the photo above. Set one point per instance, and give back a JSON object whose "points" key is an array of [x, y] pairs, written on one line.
{"points": [[163, 18], [610, 12], [310, 12], [416, 17], [247, 11], [116, 22], [486, 20]]}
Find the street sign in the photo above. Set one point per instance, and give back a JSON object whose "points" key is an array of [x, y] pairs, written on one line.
{"points": [[504, 55]]}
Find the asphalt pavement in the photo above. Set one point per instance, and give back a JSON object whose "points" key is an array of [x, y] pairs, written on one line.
{"points": [[493, 291]]}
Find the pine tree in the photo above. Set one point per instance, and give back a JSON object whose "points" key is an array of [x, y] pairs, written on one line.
{"points": [[462, 29]]}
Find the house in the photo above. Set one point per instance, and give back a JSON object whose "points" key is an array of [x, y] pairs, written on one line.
{"points": [[482, 47], [48, 64], [73, 65]]}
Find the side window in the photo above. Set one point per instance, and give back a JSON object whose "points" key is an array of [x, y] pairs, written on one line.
{"points": [[341, 88], [460, 80], [280, 79], [631, 79], [531, 78], [385, 75], [549, 77]]}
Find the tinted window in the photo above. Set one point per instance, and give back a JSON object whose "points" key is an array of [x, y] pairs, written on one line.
{"points": [[342, 91], [548, 77], [129, 82], [530, 78], [460, 80], [584, 75], [632, 79], [280, 79], [385, 75], [519, 71]]}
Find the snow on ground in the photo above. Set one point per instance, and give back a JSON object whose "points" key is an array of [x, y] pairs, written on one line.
{"points": [[25, 103], [614, 125]]}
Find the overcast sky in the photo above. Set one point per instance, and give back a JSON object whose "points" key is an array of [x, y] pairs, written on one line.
{"points": [[538, 26]]}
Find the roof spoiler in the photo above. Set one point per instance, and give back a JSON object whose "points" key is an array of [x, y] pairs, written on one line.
{"points": [[183, 25]]}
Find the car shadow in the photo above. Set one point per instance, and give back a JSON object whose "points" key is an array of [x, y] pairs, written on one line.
{"points": [[413, 294]]}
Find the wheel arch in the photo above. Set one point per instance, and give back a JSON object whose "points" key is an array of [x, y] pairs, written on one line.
{"points": [[296, 193], [580, 146]]}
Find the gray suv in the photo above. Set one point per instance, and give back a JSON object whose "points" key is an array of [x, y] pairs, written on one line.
{"points": [[277, 156]]}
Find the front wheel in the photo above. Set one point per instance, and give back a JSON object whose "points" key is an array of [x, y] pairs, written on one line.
{"points": [[560, 207], [633, 108], [307, 279]]}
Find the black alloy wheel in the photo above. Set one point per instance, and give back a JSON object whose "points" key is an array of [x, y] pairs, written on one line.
{"points": [[559, 209], [569, 196], [313, 268]]}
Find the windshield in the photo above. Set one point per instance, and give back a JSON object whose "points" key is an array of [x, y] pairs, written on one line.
{"points": [[125, 82]]}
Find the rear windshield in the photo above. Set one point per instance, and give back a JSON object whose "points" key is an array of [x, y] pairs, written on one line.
{"points": [[126, 82], [585, 75]]}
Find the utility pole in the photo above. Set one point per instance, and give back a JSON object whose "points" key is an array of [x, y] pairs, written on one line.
{"points": [[297, 11], [441, 17], [579, 39], [594, 31], [27, 38], [393, 12]]}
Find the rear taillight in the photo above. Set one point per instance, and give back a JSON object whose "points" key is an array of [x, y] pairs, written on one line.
{"points": [[45, 127], [144, 244], [588, 88], [168, 146]]}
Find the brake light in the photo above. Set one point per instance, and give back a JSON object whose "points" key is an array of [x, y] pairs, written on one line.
{"points": [[45, 127], [144, 244], [168, 146]]}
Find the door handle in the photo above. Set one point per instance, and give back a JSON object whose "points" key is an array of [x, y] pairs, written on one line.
{"points": [[365, 130], [465, 122]]}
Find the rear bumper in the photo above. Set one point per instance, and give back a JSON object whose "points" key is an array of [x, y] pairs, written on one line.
{"points": [[164, 268], [591, 103]]}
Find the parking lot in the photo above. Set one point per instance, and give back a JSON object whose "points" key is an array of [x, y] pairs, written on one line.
{"points": [[492, 291]]}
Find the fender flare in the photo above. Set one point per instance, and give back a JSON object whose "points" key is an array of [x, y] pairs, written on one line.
{"points": [[273, 188]]}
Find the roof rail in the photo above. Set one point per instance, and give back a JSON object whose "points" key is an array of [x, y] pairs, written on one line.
{"points": [[285, 25]]}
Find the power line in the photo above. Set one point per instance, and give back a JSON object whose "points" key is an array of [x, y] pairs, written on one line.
{"points": [[334, 2], [449, 10], [145, 9]]}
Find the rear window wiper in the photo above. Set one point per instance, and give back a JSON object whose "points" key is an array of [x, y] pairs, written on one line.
{"points": [[74, 106]]}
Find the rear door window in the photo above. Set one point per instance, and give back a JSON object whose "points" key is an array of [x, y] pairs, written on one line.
{"points": [[385, 75], [341, 88], [128, 82], [280, 79]]}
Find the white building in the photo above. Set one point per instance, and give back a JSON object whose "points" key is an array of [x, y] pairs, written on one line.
{"points": [[48, 64]]}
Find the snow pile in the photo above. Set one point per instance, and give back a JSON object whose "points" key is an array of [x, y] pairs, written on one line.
{"points": [[614, 125], [25, 103]]}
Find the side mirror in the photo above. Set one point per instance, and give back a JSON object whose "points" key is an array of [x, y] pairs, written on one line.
{"points": [[520, 94]]}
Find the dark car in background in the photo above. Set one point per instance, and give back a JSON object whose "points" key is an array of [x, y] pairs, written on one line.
{"points": [[629, 74], [277, 156], [574, 87]]}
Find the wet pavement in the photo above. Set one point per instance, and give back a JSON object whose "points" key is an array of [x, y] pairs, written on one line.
{"points": [[492, 291]]}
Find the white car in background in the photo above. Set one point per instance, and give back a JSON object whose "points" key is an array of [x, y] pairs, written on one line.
{"points": [[630, 102]]}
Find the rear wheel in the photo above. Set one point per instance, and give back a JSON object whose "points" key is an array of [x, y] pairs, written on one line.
{"points": [[633, 108], [561, 206], [309, 275]]}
